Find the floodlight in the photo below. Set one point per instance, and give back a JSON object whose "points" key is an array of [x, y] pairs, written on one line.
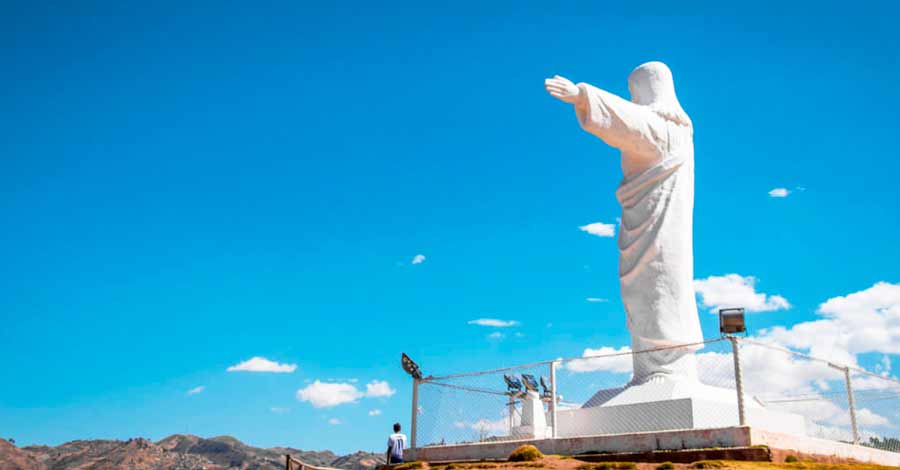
{"points": [[731, 320], [547, 389], [513, 385], [530, 384], [410, 367]]}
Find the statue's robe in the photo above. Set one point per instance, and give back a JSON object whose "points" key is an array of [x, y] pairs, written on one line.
{"points": [[655, 236]]}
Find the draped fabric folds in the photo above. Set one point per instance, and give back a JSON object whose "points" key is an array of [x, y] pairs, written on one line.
{"points": [[655, 236]]}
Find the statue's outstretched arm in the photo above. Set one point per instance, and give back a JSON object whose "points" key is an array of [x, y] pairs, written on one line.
{"points": [[617, 121]]}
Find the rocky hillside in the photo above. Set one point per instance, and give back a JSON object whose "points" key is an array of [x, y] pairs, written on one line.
{"points": [[14, 458], [177, 452]]}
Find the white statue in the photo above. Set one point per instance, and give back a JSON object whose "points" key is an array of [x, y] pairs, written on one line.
{"points": [[656, 266]]}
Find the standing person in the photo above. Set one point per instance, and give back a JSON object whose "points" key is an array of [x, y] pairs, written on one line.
{"points": [[396, 444]]}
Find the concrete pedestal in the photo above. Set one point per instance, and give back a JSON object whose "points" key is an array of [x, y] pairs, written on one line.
{"points": [[534, 419], [665, 405], [742, 436]]}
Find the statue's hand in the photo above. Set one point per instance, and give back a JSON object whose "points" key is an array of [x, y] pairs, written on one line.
{"points": [[562, 88]]}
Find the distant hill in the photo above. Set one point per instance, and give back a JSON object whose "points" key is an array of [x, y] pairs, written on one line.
{"points": [[176, 452]]}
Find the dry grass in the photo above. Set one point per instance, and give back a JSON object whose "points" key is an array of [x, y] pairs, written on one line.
{"points": [[608, 466], [795, 466], [408, 466]]}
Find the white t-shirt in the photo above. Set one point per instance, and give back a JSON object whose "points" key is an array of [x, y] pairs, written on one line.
{"points": [[396, 444]]}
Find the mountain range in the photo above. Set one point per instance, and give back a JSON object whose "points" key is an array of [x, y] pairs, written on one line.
{"points": [[176, 452]]}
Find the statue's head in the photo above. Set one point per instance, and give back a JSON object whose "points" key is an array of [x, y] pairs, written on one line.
{"points": [[651, 85]]}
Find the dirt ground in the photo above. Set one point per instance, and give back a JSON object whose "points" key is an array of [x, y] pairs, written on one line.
{"points": [[553, 462]]}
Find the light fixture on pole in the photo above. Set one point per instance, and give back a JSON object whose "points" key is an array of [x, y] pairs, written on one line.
{"points": [[731, 320], [530, 383], [547, 394], [513, 385], [410, 367]]}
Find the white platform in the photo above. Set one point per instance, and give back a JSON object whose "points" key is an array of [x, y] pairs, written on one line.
{"points": [[664, 405], [741, 436]]}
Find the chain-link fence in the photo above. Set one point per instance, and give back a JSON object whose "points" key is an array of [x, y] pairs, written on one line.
{"points": [[835, 401], [783, 391], [477, 407], [877, 410], [809, 393]]}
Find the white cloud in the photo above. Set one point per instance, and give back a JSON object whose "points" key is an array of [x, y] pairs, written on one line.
{"points": [[734, 290], [599, 229], [779, 192], [867, 321], [196, 390], [279, 410], [375, 412], [884, 367], [379, 388], [261, 364], [493, 322], [596, 299], [866, 417], [499, 426], [603, 359], [329, 394], [814, 389], [783, 382], [768, 374], [334, 421], [418, 259], [326, 395], [495, 335]]}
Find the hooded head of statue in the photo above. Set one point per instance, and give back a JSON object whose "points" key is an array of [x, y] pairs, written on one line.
{"points": [[651, 85]]}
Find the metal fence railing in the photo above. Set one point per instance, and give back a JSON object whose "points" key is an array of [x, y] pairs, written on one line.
{"points": [[290, 463], [782, 390]]}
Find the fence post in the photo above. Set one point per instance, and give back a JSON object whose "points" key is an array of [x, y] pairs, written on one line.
{"points": [[415, 416], [852, 405], [738, 379], [553, 399]]}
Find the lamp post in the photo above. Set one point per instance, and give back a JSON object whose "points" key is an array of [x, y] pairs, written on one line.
{"points": [[411, 368], [731, 321]]}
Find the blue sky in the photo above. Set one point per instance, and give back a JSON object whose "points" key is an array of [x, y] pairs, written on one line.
{"points": [[187, 187]]}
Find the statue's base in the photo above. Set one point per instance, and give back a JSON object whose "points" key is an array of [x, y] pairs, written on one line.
{"points": [[730, 437], [669, 404]]}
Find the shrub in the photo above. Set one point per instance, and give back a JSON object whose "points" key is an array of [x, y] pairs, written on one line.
{"points": [[708, 464], [526, 453], [665, 466], [791, 459]]}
